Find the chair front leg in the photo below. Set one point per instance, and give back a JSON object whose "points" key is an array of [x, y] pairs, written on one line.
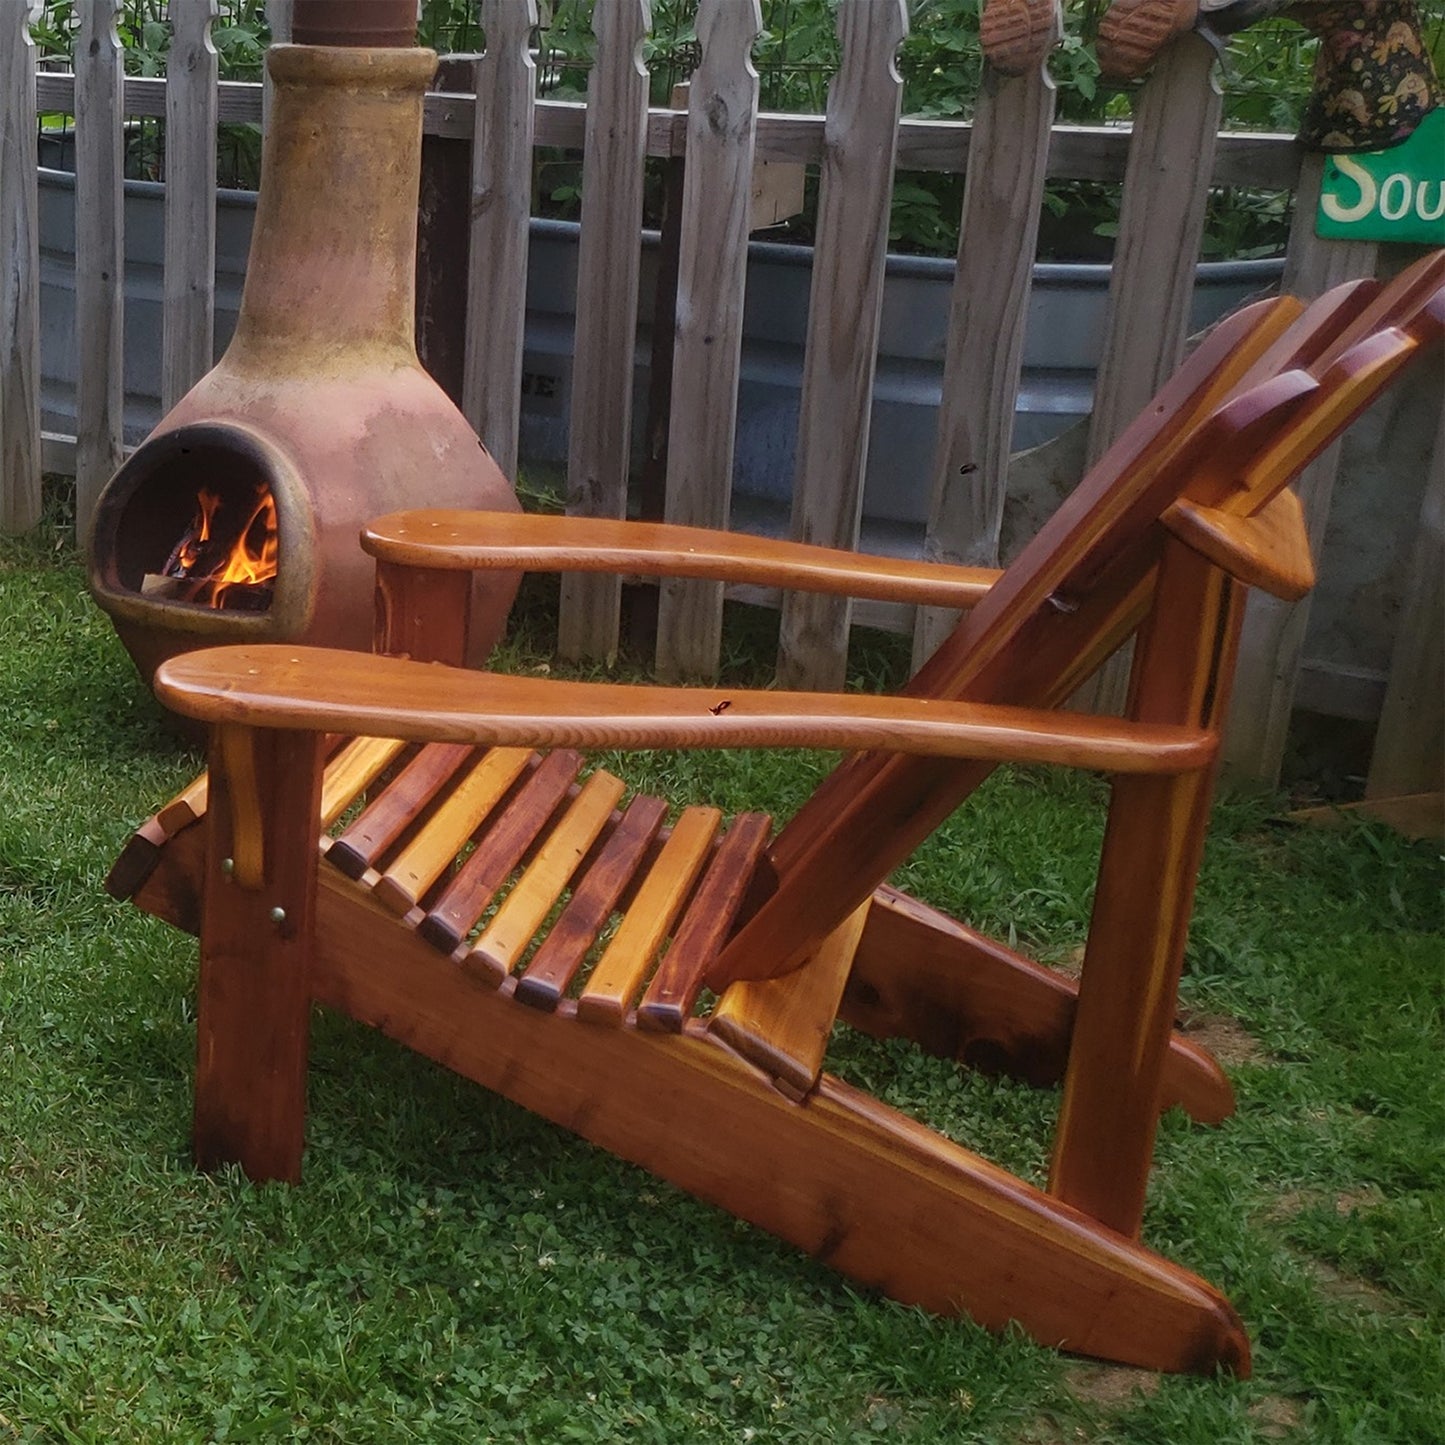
{"points": [[257, 923]]}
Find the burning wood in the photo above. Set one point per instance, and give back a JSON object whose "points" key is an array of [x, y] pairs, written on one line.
{"points": [[217, 564]]}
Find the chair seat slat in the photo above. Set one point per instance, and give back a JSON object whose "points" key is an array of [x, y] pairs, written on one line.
{"points": [[383, 821], [560, 956], [465, 898], [506, 937], [660, 899], [435, 847], [352, 771], [674, 989]]}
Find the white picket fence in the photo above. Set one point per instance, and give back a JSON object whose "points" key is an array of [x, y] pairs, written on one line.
{"points": [[1167, 162]]}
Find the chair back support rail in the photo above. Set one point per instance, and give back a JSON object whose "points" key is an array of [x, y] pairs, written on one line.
{"points": [[1166, 164]]}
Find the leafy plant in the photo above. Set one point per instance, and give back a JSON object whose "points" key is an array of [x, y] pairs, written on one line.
{"points": [[1266, 77]]}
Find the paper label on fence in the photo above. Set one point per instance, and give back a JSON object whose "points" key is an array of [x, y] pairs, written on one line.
{"points": [[1393, 195]]}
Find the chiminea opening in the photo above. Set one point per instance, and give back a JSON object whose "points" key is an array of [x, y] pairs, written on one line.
{"points": [[198, 523]]}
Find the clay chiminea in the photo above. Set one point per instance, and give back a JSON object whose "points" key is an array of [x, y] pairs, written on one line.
{"points": [[319, 416]]}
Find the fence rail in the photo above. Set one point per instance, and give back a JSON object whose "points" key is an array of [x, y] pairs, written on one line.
{"points": [[1166, 164]]}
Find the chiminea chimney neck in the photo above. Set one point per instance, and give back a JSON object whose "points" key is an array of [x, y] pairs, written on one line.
{"points": [[333, 254], [348, 22]]}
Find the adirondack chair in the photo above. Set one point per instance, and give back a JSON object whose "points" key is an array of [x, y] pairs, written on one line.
{"points": [[667, 990]]}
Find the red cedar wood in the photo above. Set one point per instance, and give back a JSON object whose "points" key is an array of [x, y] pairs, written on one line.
{"points": [[462, 902], [950, 1232], [556, 963], [255, 990]]}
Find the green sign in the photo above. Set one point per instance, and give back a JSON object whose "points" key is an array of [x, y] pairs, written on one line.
{"points": [[1393, 195]]}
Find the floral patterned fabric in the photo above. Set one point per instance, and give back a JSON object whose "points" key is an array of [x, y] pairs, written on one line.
{"points": [[1374, 81]]}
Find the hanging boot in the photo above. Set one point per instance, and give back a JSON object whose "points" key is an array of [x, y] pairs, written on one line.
{"points": [[1017, 35], [1133, 32]]}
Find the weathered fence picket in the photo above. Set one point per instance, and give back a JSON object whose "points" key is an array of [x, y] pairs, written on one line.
{"points": [[608, 267], [99, 252], [988, 308], [845, 311], [506, 83], [1272, 645], [190, 261], [712, 264], [19, 276], [1409, 752], [1161, 227], [1168, 161]]}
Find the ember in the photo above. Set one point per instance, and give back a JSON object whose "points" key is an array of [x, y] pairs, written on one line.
{"points": [[220, 563]]}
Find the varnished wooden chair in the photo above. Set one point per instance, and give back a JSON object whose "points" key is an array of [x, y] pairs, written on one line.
{"points": [[488, 903]]}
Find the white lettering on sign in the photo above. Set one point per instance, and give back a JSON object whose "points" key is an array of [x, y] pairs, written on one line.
{"points": [[1400, 186], [1393, 198]]}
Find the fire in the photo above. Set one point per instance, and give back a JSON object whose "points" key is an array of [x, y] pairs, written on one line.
{"points": [[215, 557], [252, 558]]}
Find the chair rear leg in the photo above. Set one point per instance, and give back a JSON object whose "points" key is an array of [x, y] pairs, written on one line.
{"points": [[257, 923], [1152, 849]]}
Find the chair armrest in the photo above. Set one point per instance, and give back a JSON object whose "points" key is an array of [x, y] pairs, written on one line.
{"points": [[445, 540], [327, 690]]}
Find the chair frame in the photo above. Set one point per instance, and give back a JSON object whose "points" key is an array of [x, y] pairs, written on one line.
{"points": [[1162, 540]]}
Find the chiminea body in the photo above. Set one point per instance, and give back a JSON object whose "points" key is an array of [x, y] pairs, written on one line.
{"points": [[320, 397]]}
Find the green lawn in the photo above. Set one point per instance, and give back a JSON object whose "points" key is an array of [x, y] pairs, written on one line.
{"points": [[455, 1270]]}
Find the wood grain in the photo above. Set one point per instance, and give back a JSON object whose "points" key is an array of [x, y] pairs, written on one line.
{"points": [[1023, 639], [435, 846], [253, 1005], [561, 954], [441, 539], [783, 1025], [874, 1194], [351, 771], [350, 692], [1161, 226], [1268, 161], [722, 115], [845, 310], [383, 820], [920, 975], [691, 958], [506, 82], [609, 256], [473, 886], [1409, 750], [1270, 550], [99, 255], [988, 311], [1273, 641], [19, 275], [1153, 843], [189, 278], [1151, 281], [423, 613], [628, 958], [509, 934]]}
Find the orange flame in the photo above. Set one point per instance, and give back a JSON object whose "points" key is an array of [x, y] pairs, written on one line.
{"points": [[253, 557]]}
